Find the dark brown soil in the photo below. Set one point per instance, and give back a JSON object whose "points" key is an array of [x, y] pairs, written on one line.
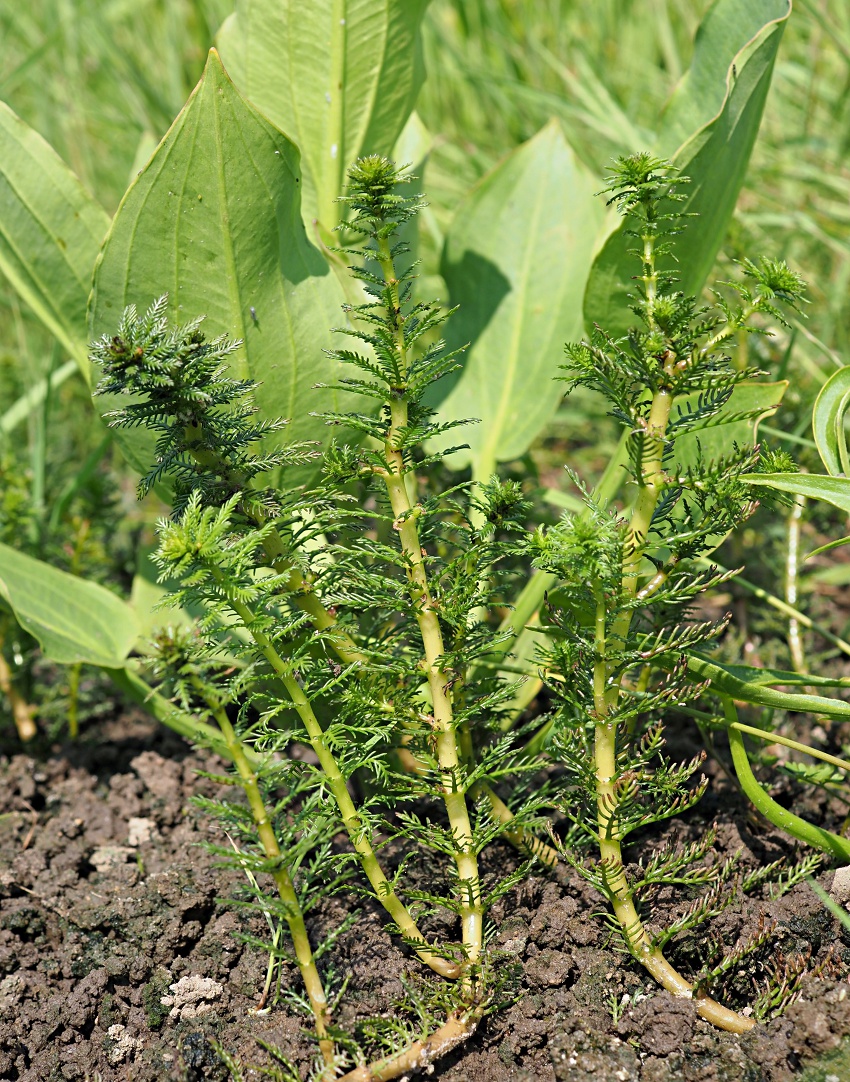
{"points": [[107, 899]]}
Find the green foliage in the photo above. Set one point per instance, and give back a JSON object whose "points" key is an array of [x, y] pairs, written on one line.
{"points": [[204, 418], [411, 599], [621, 624], [214, 220], [713, 154], [72, 619], [380, 615], [51, 232], [341, 82], [828, 423], [514, 261]]}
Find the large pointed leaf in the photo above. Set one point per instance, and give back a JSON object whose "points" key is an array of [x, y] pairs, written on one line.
{"points": [[338, 76], [214, 220], [73, 620], [515, 260], [715, 156], [50, 232], [699, 97]]}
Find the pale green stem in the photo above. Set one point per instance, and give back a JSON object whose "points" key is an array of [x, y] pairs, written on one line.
{"points": [[727, 331], [783, 607], [439, 681], [795, 745], [336, 783], [281, 877], [606, 696], [792, 565], [342, 644], [179, 721]]}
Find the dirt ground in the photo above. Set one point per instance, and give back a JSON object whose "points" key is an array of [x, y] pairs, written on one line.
{"points": [[107, 900]]}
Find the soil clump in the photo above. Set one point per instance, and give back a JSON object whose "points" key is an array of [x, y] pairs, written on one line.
{"points": [[119, 962]]}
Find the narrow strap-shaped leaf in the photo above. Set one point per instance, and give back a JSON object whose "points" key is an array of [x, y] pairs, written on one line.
{"points": [[828, 422], [748, 690], [834, 490]]}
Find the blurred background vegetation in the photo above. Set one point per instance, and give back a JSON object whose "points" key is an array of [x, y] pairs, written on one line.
{"points": [[102, 80]]}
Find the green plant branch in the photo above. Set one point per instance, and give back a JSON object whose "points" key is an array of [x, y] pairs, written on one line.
{"points": [[782, 606], [606, 691], [280, 875], [296, 586], [384, 892], [439, 681], [775, 813], [769, 737]]}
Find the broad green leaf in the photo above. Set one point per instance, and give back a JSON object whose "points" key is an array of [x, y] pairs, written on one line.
{"points": [[50, 232], [758, 675], [834, 490], [515, 260], [828, 422], [214, 220], [701, 92], [340, 77], [730, 681], [737, 423], [146, 596], [715, 155], [73, 620]]}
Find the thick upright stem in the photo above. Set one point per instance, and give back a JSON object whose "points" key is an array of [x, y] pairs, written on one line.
{"points": [[439, 681], [619, 893], [606, 692]]}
